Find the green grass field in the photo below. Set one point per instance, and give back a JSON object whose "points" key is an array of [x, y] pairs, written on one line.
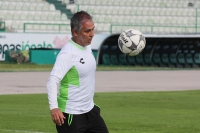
{"points": [[12, 67], [124, 112]]}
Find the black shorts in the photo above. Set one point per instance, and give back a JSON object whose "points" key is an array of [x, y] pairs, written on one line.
{"points": [[90, 122]]}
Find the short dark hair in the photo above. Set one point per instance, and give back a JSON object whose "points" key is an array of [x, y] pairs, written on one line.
{"points": [[77, 19]]}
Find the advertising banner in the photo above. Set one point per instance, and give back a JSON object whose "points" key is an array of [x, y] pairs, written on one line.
{"points": [[25, 41]]}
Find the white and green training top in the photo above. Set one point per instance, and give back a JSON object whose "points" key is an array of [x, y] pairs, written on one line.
{"points": [[71, 83]]}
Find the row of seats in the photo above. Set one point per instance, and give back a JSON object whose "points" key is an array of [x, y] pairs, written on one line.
{"points": [[32, 15], [117, 10], [107, 29], [18, 25], [23, 26], [26, 6], [46, 17], [169, 17], [67, 1], [156, 30], [141, 3], [53, 28], [146, 20], [167, 60], [16, 13]]}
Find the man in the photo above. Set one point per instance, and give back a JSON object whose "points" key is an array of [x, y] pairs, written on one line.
{"points": [[73, 75]]}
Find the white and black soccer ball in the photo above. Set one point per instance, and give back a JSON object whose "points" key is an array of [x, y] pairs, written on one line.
{"points": [[131, 42]]}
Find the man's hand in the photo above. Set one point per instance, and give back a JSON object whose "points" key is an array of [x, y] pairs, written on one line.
{"points": [[57, 116]]}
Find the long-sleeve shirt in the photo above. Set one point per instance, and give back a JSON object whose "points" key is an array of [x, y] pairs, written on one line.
{"points": [[71, 84]]}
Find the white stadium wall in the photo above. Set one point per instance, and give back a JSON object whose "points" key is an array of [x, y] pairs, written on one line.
{"points": [[25, 41], [160, 50]]}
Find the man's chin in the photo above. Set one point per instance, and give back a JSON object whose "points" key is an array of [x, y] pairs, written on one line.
{"points": [[88, 43]]}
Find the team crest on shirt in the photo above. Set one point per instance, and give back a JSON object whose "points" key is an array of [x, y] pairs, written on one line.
{"points": [[82, 61]]}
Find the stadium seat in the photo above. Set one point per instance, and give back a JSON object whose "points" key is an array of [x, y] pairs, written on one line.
{"points": [[196, 58], [57, 16], [156, 59], [11, 6], [131, 60], [16, 16], [80, 2], [9, 15], [25, 6], [104, 2], [117, 29], [97, 9], [122, 59], [43, 27], [127, 11], [107, 19], [45, 7], [65, 29], [101, 20], [139, 59], [91, 9], [165, 50], [181, 60], [29, 27], [165, 59], [64, 17], [102, 10], [32, 7], [191, 13], [39, 7], [147, 59], [173, 60], [110, 2], [106, 59], [4, 5], [190, 30], [19, 6], [93, 2], [80, 7], [189, 60], [114, 59]]}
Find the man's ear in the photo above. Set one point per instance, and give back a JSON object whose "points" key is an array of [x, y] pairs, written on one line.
{"points": [[75, 33]]}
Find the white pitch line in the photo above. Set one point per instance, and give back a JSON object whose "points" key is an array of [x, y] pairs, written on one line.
{"points": [[20, 131]]}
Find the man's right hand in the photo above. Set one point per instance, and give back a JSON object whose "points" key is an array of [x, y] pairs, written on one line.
{"points": [[57, 116]]}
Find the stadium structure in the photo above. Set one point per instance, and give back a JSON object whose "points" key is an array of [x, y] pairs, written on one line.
{"points": [[42, 27]]}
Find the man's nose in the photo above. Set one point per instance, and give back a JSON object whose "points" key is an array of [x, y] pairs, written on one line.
{"points": [[91, 33]]}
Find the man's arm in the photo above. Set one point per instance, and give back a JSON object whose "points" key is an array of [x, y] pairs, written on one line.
{"points": [[56, 114], [62, 65]]}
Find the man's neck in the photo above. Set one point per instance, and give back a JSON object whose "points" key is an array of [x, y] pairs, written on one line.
{"points": [[75, 40]]}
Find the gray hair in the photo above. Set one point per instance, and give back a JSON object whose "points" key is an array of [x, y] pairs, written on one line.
{"points": [[77, 20]]}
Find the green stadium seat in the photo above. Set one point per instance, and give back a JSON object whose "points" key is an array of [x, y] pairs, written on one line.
{"points": [[165, 59], [196, 58], [173, 60], [181, 60], [147, 59], [156, 59], [189, 60], [122, 59], [106, 59], [131, 60], [114, 60], [139, 59]]}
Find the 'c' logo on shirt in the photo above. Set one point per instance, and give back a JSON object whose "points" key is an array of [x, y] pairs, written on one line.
{"points": [[82, 61]]}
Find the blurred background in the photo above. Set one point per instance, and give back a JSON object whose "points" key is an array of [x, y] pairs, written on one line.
{"points": [[34, 31]]}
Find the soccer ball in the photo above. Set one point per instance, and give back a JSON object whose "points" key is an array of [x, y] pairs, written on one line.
{"points": [[131, 42]]}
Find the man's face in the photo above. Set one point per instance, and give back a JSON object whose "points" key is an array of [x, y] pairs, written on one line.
{"points": [[85, 35]]}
